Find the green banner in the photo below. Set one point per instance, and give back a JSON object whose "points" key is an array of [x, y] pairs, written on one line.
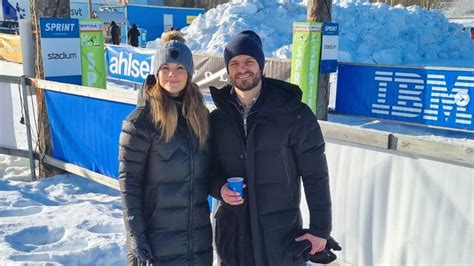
{"points": [[92, 53], [305, 60]]}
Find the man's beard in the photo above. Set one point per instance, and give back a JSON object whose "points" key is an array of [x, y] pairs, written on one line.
{"points": [[246, 85]]}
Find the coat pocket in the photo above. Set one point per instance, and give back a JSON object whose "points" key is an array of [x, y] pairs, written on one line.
{"points": [[226, 236]]}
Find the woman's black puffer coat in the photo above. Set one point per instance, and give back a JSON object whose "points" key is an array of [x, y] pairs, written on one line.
{"points": [[164, 190]]}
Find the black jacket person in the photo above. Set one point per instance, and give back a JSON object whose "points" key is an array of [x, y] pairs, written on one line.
{"points": [[263, 132], [164, 167]]}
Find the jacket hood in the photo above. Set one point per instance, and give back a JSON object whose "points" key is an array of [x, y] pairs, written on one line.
{"points": [[280, 96]]}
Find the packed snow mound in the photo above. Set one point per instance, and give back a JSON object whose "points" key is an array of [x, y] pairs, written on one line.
{"points": [[458, 8], [369, 33]]}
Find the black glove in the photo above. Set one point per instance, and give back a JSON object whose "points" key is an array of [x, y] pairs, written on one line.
{"points": [[140, 248], [326, 256], [301, 250]]}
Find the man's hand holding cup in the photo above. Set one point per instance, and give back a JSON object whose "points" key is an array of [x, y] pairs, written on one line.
{"points": [[232, 191]]}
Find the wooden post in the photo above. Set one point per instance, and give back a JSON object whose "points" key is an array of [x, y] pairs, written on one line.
{"points": [[44, 8], [320, 11]]}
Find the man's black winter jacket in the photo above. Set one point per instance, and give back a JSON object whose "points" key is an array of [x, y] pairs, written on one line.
{"points": [[284, 146]]}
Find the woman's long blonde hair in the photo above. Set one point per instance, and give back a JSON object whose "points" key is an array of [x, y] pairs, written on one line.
{"points": [[164, 111]]}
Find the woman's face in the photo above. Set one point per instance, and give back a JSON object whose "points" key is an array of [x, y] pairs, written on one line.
{"points": [[173, 78]]}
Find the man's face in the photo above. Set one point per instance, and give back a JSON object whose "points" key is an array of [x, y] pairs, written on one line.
{"points": [[244, 72]]}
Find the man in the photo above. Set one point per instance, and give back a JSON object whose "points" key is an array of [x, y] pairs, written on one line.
{"points": [[262, 132], [133, 35], [115, 33]]}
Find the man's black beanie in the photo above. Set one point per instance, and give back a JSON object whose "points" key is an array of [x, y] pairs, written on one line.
{"points": [[245, 43]]}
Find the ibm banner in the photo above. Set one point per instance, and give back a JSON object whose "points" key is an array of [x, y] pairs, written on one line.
{"points": [[431, 96]]}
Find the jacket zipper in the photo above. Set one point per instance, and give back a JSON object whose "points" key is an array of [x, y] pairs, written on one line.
{"points": [[191, 155], [242, 145], [287, 168]]}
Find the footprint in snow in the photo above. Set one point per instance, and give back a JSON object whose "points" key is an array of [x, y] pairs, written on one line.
{"points": [[31, 238], [21, 211]]}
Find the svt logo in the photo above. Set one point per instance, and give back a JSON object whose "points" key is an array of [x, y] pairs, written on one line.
{"points": [[432, 98]]}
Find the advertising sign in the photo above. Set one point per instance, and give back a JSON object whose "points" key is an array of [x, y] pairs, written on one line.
{"points": [[430, 96], [330, 48], [305, 59], [129, 63], [92, 53], [79, 10], [60, 48]]}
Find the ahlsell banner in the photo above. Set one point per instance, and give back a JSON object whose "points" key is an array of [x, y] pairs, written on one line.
{"points": [[134, 64], [61, 51], [129, 63], [431, 96]]}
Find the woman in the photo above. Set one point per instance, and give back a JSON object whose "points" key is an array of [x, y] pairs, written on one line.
{"points": [[163, 170]]}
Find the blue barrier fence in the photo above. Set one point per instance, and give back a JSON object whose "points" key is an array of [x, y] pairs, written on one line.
{"points": [[85, 131]]}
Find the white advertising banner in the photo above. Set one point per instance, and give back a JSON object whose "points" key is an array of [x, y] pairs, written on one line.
{"points": [[61, 51], [7, 127]]}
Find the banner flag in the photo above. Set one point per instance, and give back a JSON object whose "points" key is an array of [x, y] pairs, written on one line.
{"points": [[92, 53], [305, 60]]}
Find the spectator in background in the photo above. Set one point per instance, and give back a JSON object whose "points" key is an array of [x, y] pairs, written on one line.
{"points": [[133, 35], [115, 33]]}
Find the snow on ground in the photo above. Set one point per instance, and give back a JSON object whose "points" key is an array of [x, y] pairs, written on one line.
{"points": [[369, 33], [58, 221], [65, 220]]}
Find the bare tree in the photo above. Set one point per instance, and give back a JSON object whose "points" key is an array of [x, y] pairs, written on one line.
{"points": [[44, 8]]}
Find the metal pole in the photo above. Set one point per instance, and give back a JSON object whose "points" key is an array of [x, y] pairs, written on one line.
{"points": [[28, 128], [90, 8]]}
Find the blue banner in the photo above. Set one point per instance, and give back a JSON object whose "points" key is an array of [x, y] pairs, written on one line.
{"points": [[85, 131], [60, 49], [430, 96], [129, 63]]}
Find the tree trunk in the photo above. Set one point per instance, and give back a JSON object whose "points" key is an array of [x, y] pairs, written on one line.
{"points": [[44, 8], [320, 11]]}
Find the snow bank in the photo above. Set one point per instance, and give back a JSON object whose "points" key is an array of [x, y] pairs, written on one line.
{"points": [[370, 33]]}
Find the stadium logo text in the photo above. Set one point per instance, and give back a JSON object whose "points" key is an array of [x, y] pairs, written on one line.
{"points": [[63, 55]]}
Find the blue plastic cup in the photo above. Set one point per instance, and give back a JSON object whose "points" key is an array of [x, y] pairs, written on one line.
{"points": [[236, 184]]}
